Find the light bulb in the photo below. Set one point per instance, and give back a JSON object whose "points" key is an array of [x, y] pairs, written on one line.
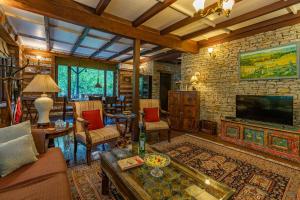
{"points": [[228, 4], [210, 50], [199, 5]]}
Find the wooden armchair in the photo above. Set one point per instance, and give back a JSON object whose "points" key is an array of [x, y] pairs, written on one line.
{"points": [[161, 126], [91, 138]]}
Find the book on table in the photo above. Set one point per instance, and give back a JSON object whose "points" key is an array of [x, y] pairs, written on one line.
{"points": [[131, 162]]}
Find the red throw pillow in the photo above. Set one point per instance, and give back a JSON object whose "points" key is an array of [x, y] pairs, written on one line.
{"points": [[94, 119], [151, 115]]}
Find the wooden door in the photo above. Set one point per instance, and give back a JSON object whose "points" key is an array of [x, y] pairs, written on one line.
{"points": [[165, 86]]}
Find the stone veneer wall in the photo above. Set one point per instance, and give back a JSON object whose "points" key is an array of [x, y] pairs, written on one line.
{"points": [[219, 78]]}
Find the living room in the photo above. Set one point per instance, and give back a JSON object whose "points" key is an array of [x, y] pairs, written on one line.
{"points": [[166, 99]]}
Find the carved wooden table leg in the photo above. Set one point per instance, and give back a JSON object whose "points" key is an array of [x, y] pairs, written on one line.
{"points": [[105, 184]]}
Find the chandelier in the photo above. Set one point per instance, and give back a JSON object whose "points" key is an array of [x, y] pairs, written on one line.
{"points": [[224, 7]]}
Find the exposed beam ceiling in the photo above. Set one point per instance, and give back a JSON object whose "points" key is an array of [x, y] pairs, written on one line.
{"points": [[72, 12], [125, 51], [158, 7], [172, 54], [242, 18], [269, 25], [144, 53], [111, 42], [188, 20], [47, 33], [101, 6], [84, 33]]}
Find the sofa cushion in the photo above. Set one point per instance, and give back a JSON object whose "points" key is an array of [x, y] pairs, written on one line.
{"points": [[15, 131], [153, 126], [151, 114], [94, 119], [100, 135], [47, 165], [15, 153]]}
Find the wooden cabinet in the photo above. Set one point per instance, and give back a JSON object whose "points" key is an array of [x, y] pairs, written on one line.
{"points": [[184, 110], [267, 138]]}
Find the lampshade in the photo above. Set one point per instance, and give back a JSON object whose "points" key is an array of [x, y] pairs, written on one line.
{"points": [[228, 5], [194, 79], [42, 83], [199, 5]]}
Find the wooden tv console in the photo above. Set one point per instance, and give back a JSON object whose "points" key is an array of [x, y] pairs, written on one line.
{"points": [[273, 139]]}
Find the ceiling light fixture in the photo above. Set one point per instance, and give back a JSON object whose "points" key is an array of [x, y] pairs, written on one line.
{"points": [[224, 7]]}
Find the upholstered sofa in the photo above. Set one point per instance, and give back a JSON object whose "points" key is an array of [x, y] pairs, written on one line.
{"points": [[44, 179]]}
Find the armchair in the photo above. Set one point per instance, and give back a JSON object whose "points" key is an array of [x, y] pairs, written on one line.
{"points": [[163, 125], [91, 138]]}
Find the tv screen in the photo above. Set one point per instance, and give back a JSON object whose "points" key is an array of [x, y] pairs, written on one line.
{"points": [[274, 109]]}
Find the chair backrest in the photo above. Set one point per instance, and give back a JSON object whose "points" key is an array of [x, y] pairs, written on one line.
{"points": [[81, 106], [149, 103], [122, 98], [92, 98]]}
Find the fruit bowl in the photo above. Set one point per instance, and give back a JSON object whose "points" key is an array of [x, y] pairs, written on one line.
{"points": [[157, 160]]}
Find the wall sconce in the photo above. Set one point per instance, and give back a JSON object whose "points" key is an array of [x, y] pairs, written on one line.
{"points": [[211, 52]]}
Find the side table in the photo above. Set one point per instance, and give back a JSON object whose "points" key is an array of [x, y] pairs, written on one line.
{"points": [[49, 133], [124, 123]]}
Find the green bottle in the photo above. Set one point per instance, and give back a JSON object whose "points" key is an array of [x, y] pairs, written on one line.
{"points": [[142, 141]]}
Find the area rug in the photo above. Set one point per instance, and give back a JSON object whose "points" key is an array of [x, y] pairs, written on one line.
{"points": [[253, 177]]}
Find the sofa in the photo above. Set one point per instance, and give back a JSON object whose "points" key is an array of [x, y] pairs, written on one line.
{"points": [[44, 179]]}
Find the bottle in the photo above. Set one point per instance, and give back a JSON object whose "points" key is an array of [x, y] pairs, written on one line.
{"points": [[142, 141]]}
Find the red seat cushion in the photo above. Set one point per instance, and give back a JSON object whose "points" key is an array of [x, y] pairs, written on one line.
{"points": [[151, 114], [94, 119]]}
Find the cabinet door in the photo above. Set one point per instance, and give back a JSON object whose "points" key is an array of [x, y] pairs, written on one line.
{"points": [[283, 142], [174, 109]]}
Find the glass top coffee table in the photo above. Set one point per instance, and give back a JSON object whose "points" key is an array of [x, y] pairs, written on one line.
{"points": [[179, 182]]}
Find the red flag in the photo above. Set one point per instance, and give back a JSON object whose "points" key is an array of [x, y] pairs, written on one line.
{"points": [[18, 111]]}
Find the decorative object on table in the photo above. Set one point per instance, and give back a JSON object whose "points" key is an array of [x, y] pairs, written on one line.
{"points": [[208, 127], [157, 160], [274, 63], [43, 84], [127, 112], [131, 162], [60, 124], [194, 80], [223, 7], [142, 141]]}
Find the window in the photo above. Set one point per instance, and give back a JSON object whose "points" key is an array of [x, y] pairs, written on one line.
{"points": [[62, 80], [83, 81]]}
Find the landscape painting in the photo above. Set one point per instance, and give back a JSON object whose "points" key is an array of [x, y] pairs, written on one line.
{"points": [[274, 63]]}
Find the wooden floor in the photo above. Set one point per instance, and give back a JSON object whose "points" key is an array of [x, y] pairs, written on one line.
{"points": [[218, 140]]}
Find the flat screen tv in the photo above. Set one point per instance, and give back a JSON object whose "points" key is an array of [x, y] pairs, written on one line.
{"points": [[273, 109]]}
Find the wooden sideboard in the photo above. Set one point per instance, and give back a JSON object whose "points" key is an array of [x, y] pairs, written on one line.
{"points": [[184, 108], [282, 142]]}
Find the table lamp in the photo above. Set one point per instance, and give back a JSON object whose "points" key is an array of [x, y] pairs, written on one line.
{"points": [[44, 84]]}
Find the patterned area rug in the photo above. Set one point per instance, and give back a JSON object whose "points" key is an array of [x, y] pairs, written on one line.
{"points": [[253, 177]]}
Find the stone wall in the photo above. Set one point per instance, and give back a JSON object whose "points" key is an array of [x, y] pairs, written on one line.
{"points": [[219, 77]]}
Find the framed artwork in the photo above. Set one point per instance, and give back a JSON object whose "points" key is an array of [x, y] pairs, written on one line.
{"points": [[274, 63]]}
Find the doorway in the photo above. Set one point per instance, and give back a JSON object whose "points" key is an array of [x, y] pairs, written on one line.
{"points": [[165, 86]]}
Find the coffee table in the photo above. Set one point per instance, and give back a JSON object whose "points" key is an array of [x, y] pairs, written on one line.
{"points": [[178, 182]]}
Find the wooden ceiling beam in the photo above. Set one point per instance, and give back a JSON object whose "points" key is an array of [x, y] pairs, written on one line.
{"points": [[155, 49], [71, 12], [242, 18], [188, 20], [84, 33], [158, 7], [125, 51], [47, 33], [101, 6], [269, 25], [108, 44], [172, 54]]}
